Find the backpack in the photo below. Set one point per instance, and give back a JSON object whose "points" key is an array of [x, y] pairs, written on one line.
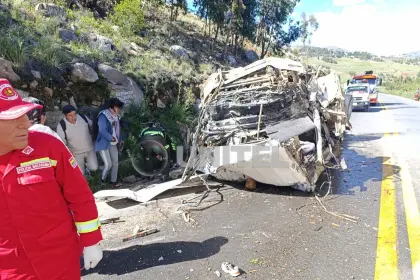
{"points": [[64, 126], [94, 130]]}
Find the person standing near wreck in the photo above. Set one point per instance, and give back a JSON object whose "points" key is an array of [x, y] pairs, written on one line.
{"points": [[48, 215], [75, 130], [108, 139], [38, 117]]}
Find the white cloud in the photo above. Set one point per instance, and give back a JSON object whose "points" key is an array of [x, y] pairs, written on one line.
{"points": [[369, 27], [343, 3]]}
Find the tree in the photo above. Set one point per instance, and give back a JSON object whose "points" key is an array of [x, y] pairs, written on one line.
{"points": [[307, 28], [249, 15], [236, 20], [272, 16], [128, 16], [177, 5]]}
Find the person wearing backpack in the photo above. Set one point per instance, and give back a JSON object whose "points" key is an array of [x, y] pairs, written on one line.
{"points": [[75, 131], [109, 137]]}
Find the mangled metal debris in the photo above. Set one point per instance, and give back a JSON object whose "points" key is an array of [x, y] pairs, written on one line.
{"points": [[275, 121]]}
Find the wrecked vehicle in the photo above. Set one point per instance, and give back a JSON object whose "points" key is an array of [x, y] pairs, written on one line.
{"points": [[275, 121]]}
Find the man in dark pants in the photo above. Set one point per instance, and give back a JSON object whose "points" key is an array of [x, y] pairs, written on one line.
{"points": [[154, 142]]}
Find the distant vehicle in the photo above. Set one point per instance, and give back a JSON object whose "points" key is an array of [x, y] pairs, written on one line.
{"points": [[373, 82], [361, 95]]}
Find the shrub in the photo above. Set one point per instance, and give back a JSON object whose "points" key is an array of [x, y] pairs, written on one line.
{"points": [[13, 49], [128, 16], [51, 52]]}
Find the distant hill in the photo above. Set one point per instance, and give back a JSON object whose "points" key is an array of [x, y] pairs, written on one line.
{"points": [[337, 49], [412, 54]]}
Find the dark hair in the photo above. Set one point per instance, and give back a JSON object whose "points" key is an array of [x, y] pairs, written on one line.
{"points": [[35, 114], [68, 109], [115, 102]]}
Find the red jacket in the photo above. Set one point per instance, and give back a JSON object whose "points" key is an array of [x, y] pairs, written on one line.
{"points": [[47, 213]]}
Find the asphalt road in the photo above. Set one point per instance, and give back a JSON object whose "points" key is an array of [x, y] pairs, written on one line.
{"points": [[279, 233]]}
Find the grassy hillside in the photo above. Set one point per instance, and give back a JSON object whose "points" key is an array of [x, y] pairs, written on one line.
{"points": [[398, 79], [345, 66]]}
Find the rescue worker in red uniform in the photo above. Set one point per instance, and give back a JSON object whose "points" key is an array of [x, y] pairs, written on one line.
{"points": [[48, 216]]}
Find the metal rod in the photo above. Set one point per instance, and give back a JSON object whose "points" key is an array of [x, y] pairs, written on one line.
{"points": [[259, 121]]}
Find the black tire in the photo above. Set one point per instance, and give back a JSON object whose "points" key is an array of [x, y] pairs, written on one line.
{"points": [[139, 157]]}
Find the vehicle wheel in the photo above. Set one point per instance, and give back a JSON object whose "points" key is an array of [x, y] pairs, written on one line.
{"points": [[366, 108]]}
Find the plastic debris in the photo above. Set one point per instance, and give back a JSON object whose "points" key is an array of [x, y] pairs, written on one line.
{"points": [[230, 269]]}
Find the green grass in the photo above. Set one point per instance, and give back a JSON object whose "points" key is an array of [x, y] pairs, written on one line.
{"points": [[347, 65], [13, 49]]}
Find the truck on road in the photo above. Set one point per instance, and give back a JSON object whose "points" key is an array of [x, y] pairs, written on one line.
{"points": [[361, 95], [372, 80]]}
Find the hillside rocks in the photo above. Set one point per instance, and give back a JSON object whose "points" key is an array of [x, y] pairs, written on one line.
{"points": [[121, 86], [251, 56], [22, 93], [111, 74], [100, 42], [67, 35], [179, 51], [83, 73], [49, 92], [36, 74], [51, 10], [33, 85], [6, 71]]}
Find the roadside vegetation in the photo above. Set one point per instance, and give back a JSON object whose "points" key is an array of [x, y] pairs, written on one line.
{"points": [[400, 75]]}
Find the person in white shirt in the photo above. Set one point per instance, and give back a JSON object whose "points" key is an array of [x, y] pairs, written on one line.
{"points": [[75, 130], [38, 117]]}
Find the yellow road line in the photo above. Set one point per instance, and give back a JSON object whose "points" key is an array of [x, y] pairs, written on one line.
{"points": [[386, 252], [412, 216]]}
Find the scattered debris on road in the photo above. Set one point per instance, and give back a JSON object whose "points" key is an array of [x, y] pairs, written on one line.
{"points": [[140, 233], [230, 269], [110, 220]]}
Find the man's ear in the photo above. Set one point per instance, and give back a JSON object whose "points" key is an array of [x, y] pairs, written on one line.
{"points": [[43, 119]]}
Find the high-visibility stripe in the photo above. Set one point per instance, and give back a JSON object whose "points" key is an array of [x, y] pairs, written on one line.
{"points": [[89, 226], [38, 160], [152, 133], [53, 162]]}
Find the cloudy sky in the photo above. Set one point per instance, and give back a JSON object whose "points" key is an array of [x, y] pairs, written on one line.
{"points": [[384, 27], [379, 26]]}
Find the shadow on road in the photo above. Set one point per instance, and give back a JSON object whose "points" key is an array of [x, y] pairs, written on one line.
{"points": [[391, 103], [140, 257], [378, 109], [362, 169]]}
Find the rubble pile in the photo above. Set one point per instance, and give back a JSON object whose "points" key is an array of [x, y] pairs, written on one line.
{"points": [[286, 114]]}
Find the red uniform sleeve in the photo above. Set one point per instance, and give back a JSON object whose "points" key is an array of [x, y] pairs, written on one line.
{"points": [[77, 193]]}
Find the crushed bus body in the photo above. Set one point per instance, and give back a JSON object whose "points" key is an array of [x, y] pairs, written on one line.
{"points": [[275, 121]]}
